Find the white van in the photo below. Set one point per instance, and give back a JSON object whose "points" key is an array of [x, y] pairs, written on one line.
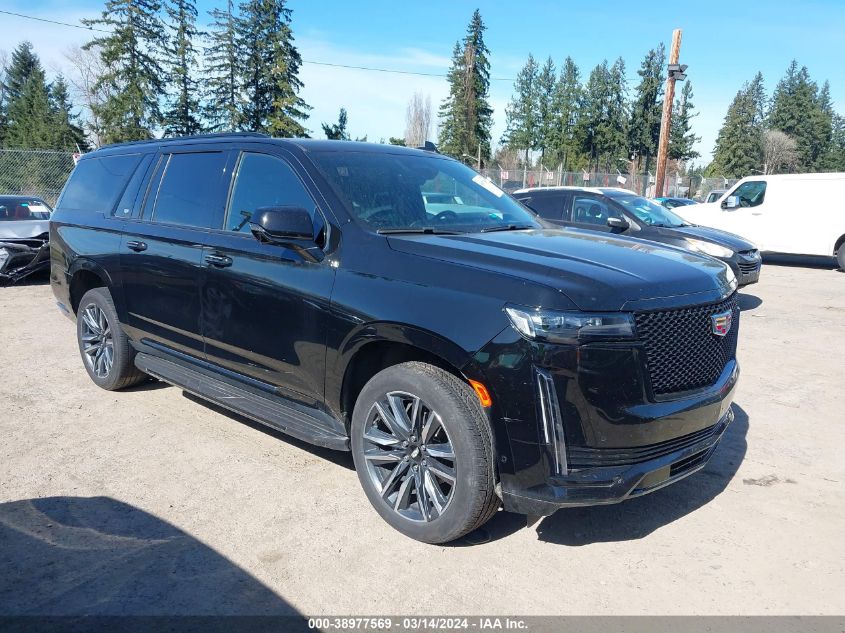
{"points": [[801, 214]]}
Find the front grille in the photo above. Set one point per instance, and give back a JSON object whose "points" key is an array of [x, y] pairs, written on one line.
{"points": [[682, 353], [748, 268]]}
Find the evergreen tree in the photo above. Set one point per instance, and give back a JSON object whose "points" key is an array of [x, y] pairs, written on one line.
{"points": [[616, 141], [681, 138], [270, 69], [134, 77], [522, 114], [183, 116], [224, 108], [566, 104], [835, 157], [647, 107], [739, 145], [466, 117], [798, 112], [67, 134], [337, 131], [602, 124], [23, 63], [545, 104], [29, 113]]}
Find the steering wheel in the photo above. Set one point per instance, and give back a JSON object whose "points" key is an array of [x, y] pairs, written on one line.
{"points": [[379, 218], [446, 215]]}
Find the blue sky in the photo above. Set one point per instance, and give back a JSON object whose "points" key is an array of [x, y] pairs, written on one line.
{"points": [[724, 44]]}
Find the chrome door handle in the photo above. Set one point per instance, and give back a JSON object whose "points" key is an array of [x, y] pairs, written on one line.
{"points": [[136, 246], [220, 261]]}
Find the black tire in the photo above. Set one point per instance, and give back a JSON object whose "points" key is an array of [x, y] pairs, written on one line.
{"points": [[471, 500], [840, 257], [121, 371]]}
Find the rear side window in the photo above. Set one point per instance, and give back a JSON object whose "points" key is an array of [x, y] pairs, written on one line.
{"points": [[547, 206], [190, 189], [96, 183]]}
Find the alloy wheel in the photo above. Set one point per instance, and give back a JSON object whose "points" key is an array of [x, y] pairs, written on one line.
{"points": [[97, 341], [409, 456]]}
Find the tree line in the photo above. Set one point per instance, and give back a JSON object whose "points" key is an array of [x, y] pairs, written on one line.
{"points": [[142, 76]]}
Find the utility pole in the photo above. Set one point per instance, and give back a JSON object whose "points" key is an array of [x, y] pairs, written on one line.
{"points": [[676, 73]]}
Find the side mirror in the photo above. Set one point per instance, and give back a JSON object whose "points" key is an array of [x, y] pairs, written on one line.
{"points": [[620, 224], [731, 203], [281, 224]]}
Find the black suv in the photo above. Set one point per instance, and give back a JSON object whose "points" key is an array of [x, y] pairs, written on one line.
{"points": [[620, 211], [469, 357]]}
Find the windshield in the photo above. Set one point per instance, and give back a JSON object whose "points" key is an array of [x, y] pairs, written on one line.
{"points": [[393, 192], [12, 209], [649, 212]]}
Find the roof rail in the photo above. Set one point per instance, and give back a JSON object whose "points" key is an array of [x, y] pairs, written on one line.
{"points": [[191, 137]]}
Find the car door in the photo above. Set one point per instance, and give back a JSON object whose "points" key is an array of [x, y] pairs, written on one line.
{"points": [[749, 219], [265, 306], [590, 211], [161, 250]]}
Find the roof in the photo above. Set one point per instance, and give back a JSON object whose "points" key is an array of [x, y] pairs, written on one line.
{"points": [[306, 144], [604, 190]]}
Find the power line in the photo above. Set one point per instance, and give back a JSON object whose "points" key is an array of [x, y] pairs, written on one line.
{"points": [[304, 61]]}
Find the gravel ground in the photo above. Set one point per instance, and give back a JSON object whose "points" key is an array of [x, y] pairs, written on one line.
{"points": [[150, 502]]}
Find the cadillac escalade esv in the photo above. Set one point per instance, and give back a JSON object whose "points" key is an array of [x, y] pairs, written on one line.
{"points": [[392, 302]]}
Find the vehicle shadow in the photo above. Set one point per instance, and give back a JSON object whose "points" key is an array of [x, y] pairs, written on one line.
{"points": [[98, 556], [800, 261], [749, 302], [635, 518]]}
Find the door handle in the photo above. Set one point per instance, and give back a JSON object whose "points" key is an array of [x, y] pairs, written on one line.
{"points": [[136, 245], [220, 261]]}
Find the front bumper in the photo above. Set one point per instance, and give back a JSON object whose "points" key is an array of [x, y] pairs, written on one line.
{"points": [[613, 484], [20, 260], [746, 266]]}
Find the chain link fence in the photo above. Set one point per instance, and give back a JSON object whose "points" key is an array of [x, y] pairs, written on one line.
{"points": [[677, 185], [39, 173]]}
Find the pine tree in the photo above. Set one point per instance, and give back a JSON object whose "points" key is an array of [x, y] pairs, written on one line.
{"points": [[616, 141], [522, 114], [270, 70], [835, 157], [739, 145], [797, 111], [183, 116], [545, 104], [67, 134], [681, 138], [647, 107], [337, 131], [134, 79], [603, 122], [466, 117], [29, 115], [566, 105], [224, 108]]}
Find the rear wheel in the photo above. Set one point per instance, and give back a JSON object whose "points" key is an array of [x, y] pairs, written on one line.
{"points": [[106, 353], [423, 452], [840, 257]]}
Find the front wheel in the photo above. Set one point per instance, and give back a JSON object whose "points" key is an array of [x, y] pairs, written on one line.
{"points": [[840, 257], [423, 452]]}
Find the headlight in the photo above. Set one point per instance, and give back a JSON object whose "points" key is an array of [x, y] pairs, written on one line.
{"points": [[4, 255], [569, 327], [709, 248]]}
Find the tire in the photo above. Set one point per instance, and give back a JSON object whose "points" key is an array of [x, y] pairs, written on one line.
{"points": [[392, 459], [840, 257], [104, 347]]}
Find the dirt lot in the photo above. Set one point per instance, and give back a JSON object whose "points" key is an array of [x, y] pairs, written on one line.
{"points": [[148, 502]]}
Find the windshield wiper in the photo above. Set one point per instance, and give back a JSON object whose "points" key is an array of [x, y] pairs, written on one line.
{"points": [[428, 230], [508, 227]]}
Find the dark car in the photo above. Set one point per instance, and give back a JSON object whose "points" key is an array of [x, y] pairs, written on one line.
{"points": [[671, 203], [468, 358], [620, 211], [24, 233]]}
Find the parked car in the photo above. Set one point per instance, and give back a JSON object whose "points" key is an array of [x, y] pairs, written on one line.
{"points": [[611, 210], [24, 232], [671, 203], [714, 195], [466, 359], [794, 214]]}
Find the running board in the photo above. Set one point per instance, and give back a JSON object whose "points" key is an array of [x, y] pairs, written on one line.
{"points": [[285, 418]]}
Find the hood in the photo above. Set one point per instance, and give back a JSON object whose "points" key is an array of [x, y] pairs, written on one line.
{"points": [[23, 229], [717, 236], [595, 271]]}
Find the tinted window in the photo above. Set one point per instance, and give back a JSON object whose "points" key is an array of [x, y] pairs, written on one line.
{"points": [[750, 194], [189, 189], [264, 181], [589, 210], [96, 183], [127, 200], [548, 206]]}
